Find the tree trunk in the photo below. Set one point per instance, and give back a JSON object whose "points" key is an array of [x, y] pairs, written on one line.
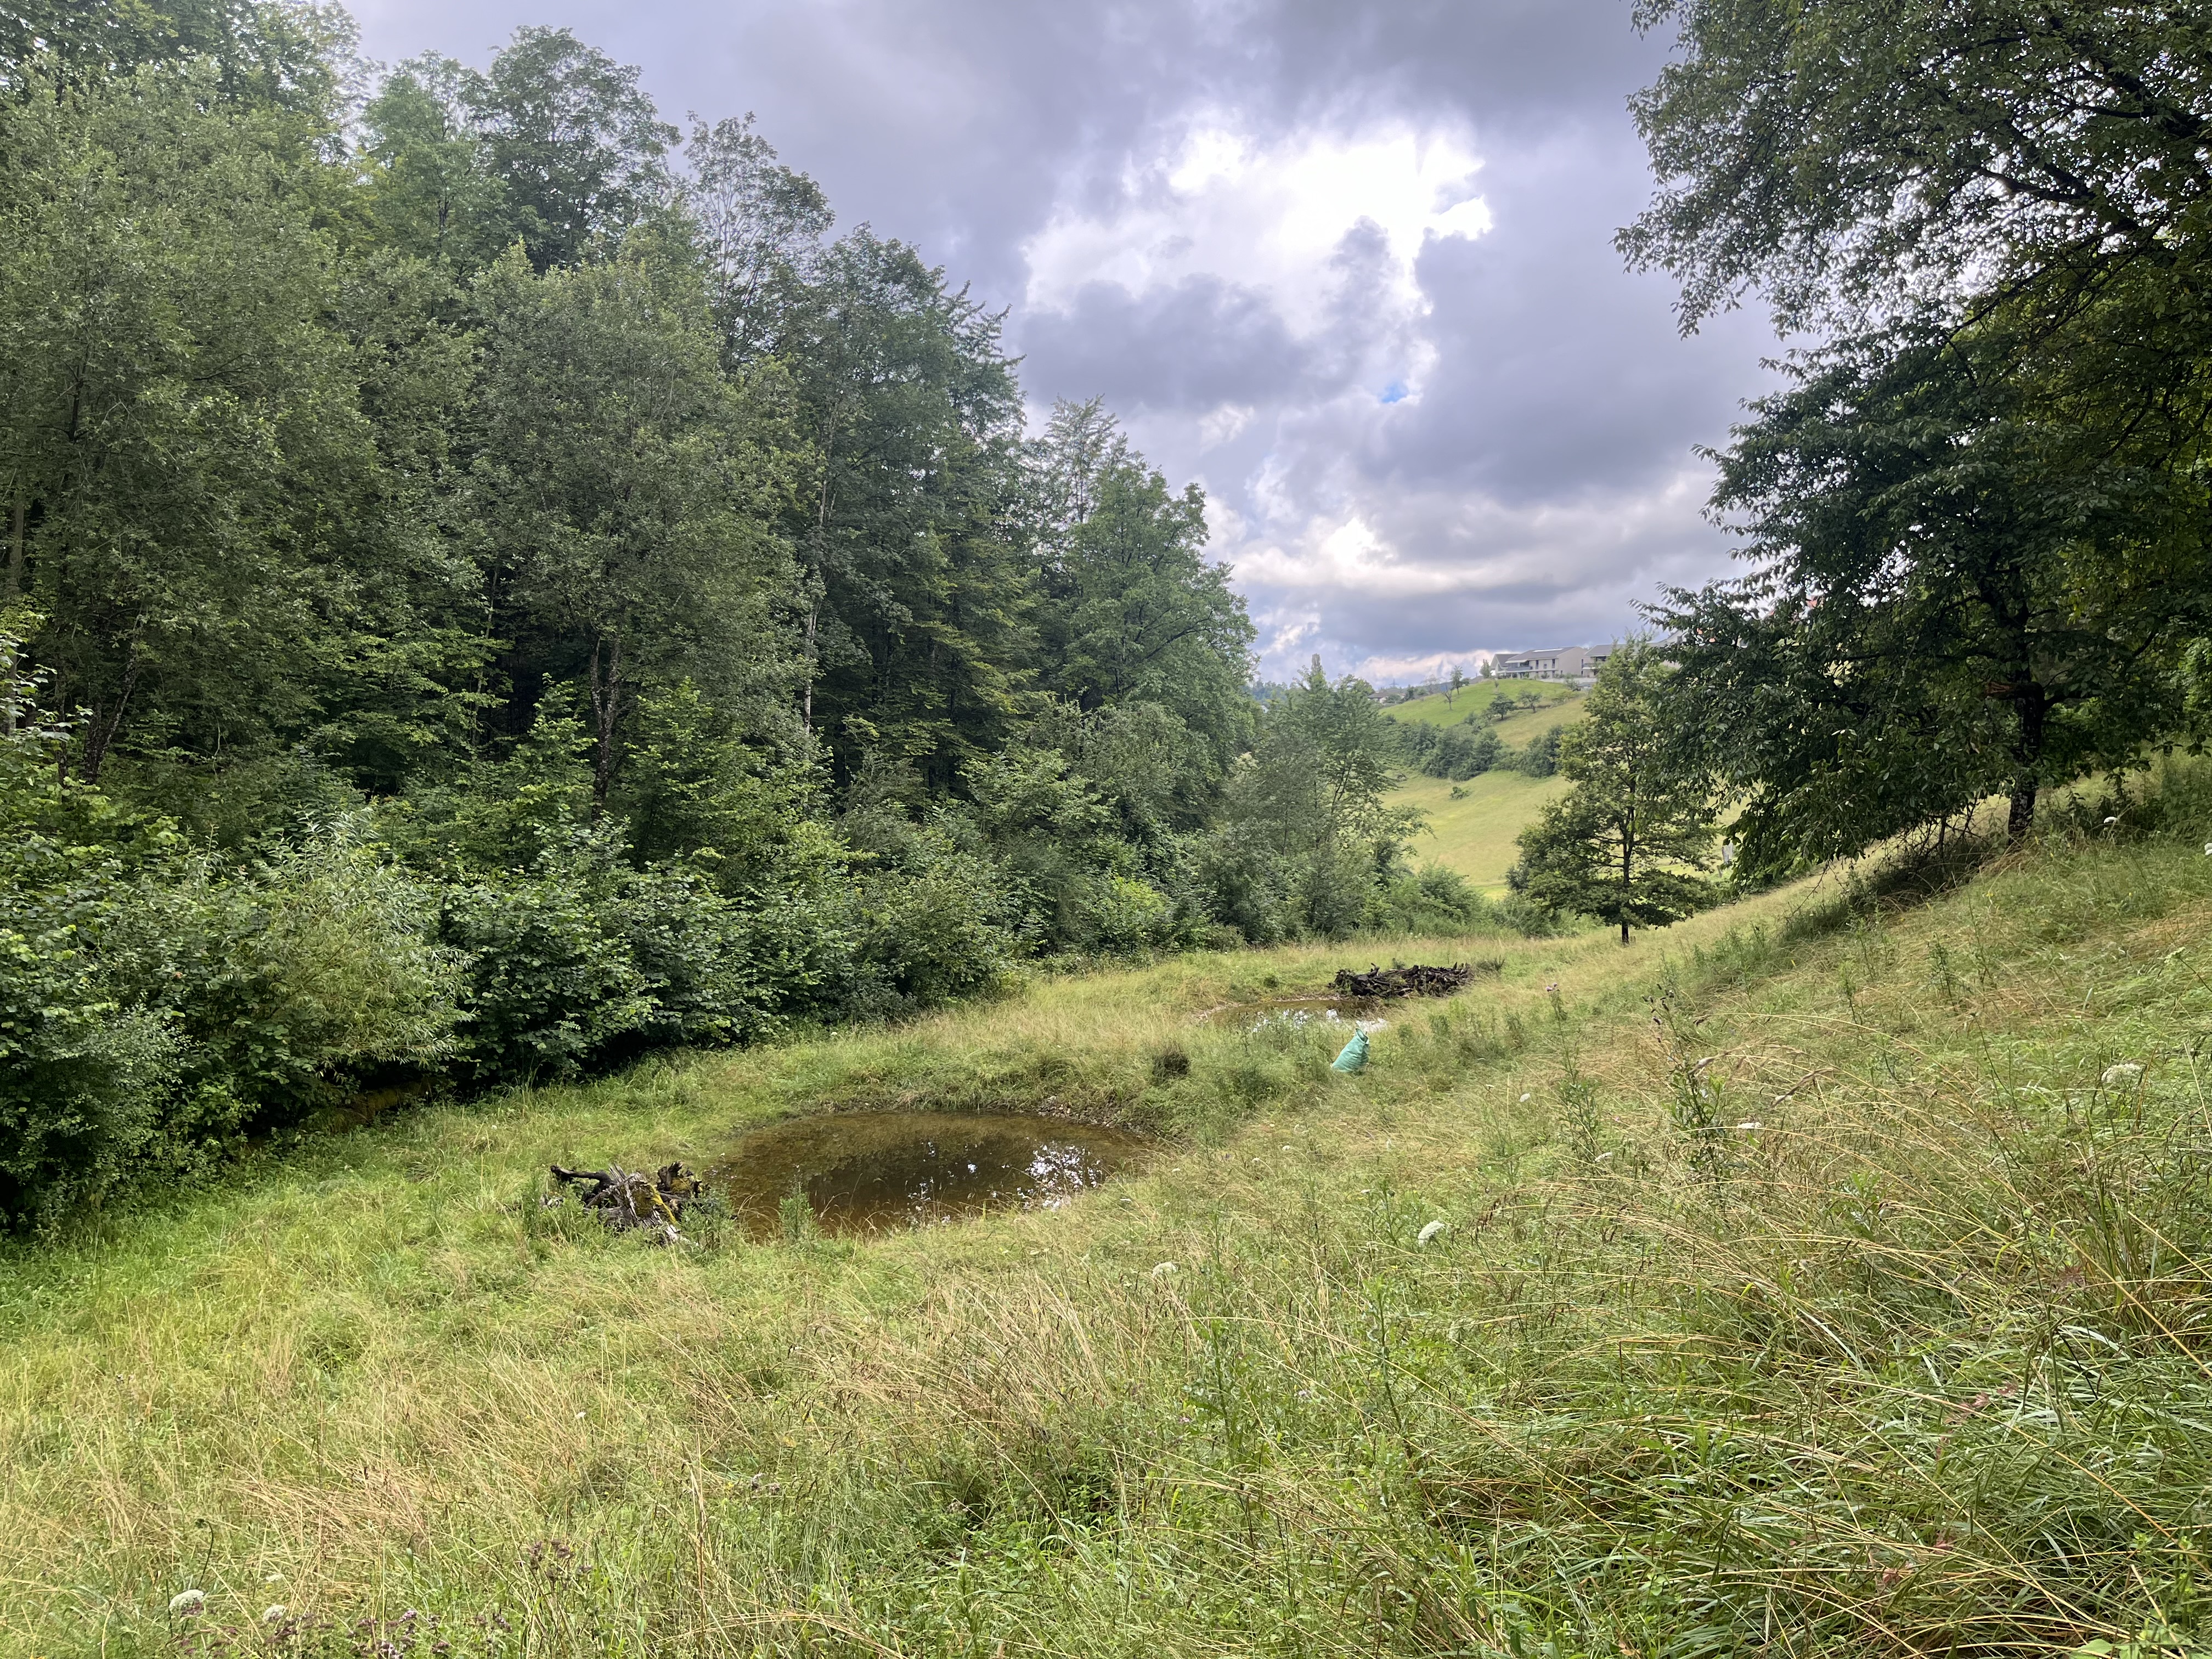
{"points": [[2031, 706], [1627, 883], [9, 597], [606, 691], [807, 699], [99, 734]]}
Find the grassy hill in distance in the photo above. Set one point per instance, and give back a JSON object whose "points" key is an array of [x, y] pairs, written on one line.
{"points": [[1474, 834], [1477, 694]]}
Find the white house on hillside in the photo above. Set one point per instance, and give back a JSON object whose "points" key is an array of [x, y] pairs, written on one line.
{"points": [[1568, 662]]}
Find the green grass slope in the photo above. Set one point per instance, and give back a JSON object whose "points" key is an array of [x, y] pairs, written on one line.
{"points": [[1829, 1275], [1438, 710], [1475, 834]]}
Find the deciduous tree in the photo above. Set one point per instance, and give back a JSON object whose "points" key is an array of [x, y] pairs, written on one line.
{"points": [[1628, 843]]}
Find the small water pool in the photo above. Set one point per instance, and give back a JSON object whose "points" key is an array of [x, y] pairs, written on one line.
{"points": [[1293, 1011], [873, 1172]]}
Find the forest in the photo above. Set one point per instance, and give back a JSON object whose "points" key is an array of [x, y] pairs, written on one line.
{"points": [[497, 583]]}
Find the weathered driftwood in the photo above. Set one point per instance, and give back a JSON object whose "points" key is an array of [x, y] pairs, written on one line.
{"points": [[626, 1200], [1418, 980]]}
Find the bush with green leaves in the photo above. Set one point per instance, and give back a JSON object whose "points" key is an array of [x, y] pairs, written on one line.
{"points": [[156, 1005], [1433, 899], [1540, 759], [939, 924], [83, 1081], [290, 978], [1459, 755]]}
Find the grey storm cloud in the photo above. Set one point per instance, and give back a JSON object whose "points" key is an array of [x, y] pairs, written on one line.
{"points": [[1196, 345], [1347, 264]]}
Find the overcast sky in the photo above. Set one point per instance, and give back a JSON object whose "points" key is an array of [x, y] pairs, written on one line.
{"points": [[1349, 266]]}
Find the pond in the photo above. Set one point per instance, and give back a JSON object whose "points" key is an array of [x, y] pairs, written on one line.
{"points": [[1293, 1012], [872, 1172]]}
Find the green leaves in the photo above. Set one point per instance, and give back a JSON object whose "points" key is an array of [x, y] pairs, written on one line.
{"points": [[1857, 158], [1954, 597], [1628, 844]]}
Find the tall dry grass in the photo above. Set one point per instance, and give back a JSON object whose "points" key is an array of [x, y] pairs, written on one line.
{"points": [[1819, 1278]]}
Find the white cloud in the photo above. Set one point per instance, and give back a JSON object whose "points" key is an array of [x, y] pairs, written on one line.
{"points": [[1433, 543], [1425, 413], [1444, 562], [1269, 217], [1224, 425], [1420, 670]]}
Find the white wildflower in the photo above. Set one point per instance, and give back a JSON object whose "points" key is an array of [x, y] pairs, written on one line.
{"points": [[1165, 1270], [187, 1602], [1750, 1126], [2122, 1076], [1432, 1230], [273, 1612]]}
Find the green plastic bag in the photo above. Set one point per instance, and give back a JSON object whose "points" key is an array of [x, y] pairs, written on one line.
{"points": [[1354, 1057]]}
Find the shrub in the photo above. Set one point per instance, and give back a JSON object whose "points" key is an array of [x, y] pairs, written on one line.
{"points": [[154, 1005], [292, 974], [1540, 759], [1126, 916], [942, 926], [1433, 899], [584, 959], [84, 1081], [1459, 755]]}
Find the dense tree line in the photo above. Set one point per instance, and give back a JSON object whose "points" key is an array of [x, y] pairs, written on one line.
{"points": [[494, 582]]}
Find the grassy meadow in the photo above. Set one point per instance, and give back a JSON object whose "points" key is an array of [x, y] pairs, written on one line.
{"points": [[1437, 709], [1828, 1274], [1472, 832]]}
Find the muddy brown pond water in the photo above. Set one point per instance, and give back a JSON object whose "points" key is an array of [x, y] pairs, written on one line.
{"points": [[872, 1172]]}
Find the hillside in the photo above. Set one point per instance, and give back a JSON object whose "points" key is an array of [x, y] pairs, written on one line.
{"points": [[1859, 1295], [1439, 710], [1474, 835]]}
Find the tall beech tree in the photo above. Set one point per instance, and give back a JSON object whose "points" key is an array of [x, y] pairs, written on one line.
{"points": [[577, 145], [628, 492], [1949, 601], [201, 404], [915, 628], [1130, 608]]}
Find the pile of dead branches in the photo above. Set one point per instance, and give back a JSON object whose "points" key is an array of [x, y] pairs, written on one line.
{"points": [[1418, 980], [652, 1204]]}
